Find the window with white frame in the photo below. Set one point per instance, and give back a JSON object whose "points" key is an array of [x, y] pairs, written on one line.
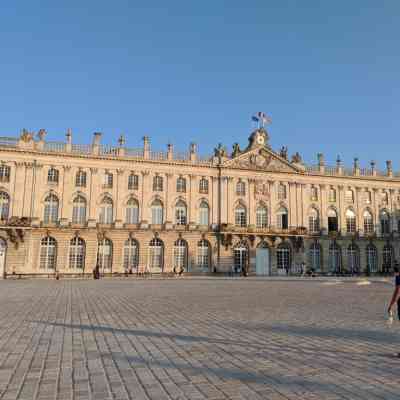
{"points": [[368, 222], [77, 253], [131, 255], [79, 210], [48, 253], [283, 257], [180, 255], [332, 195], [180, 213], [282, 218], [181, 185], [241, 216], [353, 259], [157, 212], [349, 196], [157, 183], [50, 209], [240, 188], [203, 254], [335, 258], [52, 175], [132, 212], [385, 223], [281, 192], [5, 171], [80, 179], [156, 255], [351, 225], [106, 211], [315, 257], [4, 206], [261, 217], [367, 197], [372, 258], [240, 257], [204, 213], [313, 220], [133, 182], [387, 257], [203, 186], [104, 255], [108, 180]]}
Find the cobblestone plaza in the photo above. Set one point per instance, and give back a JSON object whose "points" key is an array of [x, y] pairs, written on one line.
{"points": [[196, 338]]}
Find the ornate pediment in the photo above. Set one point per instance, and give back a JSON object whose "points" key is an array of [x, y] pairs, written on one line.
{"points": [[261, 159]]}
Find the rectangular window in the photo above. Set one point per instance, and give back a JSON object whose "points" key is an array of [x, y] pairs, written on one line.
{"points": [[349, 196], [4, 173], [133, 182], [108, 180]]}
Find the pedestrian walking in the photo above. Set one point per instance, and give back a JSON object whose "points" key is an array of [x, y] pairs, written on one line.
{"points": [[395, 297]]}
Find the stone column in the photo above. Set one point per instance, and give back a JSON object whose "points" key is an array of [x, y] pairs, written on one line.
{"points": [[168, 190], [120, 207], [192, 200], [251, 206], [375, 207], [305, 192], [299, 205], [292, 205], [18, 197], [64, 195], [341, 219], [146, 193], [92, 198], [323, 221], [272, 203], [358, 209]]}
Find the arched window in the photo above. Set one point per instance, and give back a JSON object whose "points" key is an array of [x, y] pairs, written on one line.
{"points": [[387, 258], [80, 179], [131, 255], [181, 185], [180, 213], [180, 255], [157, 183], [368, 222], [132, 212], [372, 258], [283, 257], [335, 258], [79, 210], [157, 212], [240, 257], [261, 217], [106, 211], [240, 216], [282, 218], [133, 182], [315, 257], [4, 205], [349, 196], [314, 193], [203, 254], [77, 253], [156, 255], [4, 173], [52, 175], [240, 188], [104, 255], [313, 220], [350, 221], [50, 209], [385, 223], [281, 192], [332, 195], [204, 212], [332, 220], [48, 253], [353, 259], [203, 186]]}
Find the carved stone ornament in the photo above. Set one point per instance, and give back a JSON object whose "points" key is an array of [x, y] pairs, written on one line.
{"points": [[26, 136], [261, 189]]}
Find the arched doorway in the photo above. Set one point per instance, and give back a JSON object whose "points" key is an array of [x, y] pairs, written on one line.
{"points": [[3, 249], [263, 266], [240, 255]]}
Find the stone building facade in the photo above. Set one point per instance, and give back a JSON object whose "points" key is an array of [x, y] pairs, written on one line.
{"points": [[68, 208]]}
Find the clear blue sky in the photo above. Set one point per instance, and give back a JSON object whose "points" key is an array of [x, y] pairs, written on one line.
{"points": [[327, 72]]}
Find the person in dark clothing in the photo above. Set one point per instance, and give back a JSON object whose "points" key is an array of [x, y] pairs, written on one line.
{"points": [[396, 296]]}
